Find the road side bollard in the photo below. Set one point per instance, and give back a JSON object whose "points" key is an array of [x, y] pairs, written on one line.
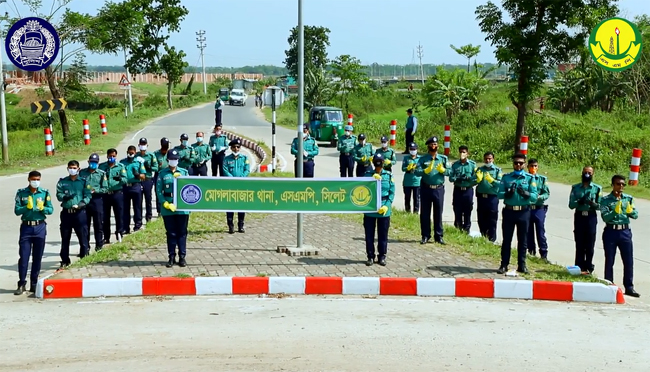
{"points": [[523, 146], [447, 143], [86, 132], [48, 142], [393, 133], [635, 166], [102, 123]]}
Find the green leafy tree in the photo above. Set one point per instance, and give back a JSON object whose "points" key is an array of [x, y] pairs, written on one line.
{"points": [[319, 88], [172, 63], [534, 39], [468, 51], [316, 40], [75, 77], [351, 74]]}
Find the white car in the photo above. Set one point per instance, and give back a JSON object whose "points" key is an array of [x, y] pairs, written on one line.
{"points": [[238, 97]]}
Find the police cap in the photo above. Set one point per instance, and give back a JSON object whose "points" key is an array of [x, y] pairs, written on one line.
{"points": [[362, 137], [184, 137], [93, 158], [164, 141], [431, 140], [218, 125], [413, 145], [235, 142], [173, 155], [378, 160], [143, 141], [349, 127], [305, 126], [384, 139]]}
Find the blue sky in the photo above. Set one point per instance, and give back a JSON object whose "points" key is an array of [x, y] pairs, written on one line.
{"points": [[254, 32]]}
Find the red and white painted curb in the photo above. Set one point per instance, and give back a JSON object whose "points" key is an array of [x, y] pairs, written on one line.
{"points": [[459, 287], [257, 149]]}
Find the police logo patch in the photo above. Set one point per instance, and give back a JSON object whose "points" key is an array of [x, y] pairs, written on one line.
{"points": [[248, 162], [32, 44], [48, 198], [533, 184], [191, 194]]}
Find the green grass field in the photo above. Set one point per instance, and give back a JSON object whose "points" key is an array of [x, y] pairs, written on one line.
{"points": [[142, 88]]}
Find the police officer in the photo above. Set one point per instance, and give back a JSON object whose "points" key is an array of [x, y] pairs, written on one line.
{"points": [[411, 182], [310, 150], [585, 198], [388, 154], [151, 167], [363, 155], [410, 128], [488, 178], [32, 204], [381, 219], [97, 182], [345, 147], [518, 191], [616, 209], [202, 155], [114, 198], [463, 176], [218, 145], [536, 227], [218, 113], [74, 195], [186, 153], [135, 174], [433, 169], [175, 221], [161, 158], [236, 165]]}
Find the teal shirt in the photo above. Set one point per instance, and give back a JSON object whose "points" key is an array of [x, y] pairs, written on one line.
{"points": [[236, 166], [485, 187], [410, 123], [150, 163], [578, 191], [218, 143], [115, 176], [388, 154], [346, 144], [434, 178], [526, 181], [187, 155], [202, 153], [360, 151], [543, 192], [96, 180], [309, 145], [463, 174], [608, 210], [74, 191], [387, 192], [161, 159], [165, 189], [410, 178], [133, 170], [22, 198]]}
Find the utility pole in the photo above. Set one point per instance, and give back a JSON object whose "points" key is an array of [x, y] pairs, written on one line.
{"points": [[128, 77], [301, 114], [3, 111], [420, 55], [201, 40]]}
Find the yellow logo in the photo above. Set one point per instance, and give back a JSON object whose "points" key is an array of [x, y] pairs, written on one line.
{"points": [[615, 44], [361, 196]]}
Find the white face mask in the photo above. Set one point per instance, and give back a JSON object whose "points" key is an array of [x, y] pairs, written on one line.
{"points": [[305, 135], [348, 133], [384, 145], [488, 164], [173, 163], [143, 147], [413, 152], [34, 184], [218, 133], [199, 139], [131, 156], [73, 172]]}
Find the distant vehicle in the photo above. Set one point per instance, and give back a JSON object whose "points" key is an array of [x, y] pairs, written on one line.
{"points": [[224, 94], [326, 124], [238, 97]]}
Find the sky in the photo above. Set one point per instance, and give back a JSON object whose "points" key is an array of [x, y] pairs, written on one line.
{"points": [[255, 32]]}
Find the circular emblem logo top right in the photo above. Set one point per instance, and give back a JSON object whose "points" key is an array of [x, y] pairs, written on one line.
{"points": [[615, 44], [360, 196]]}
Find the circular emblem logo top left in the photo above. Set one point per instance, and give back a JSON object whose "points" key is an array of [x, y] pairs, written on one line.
{"points": [[191, 194], [32, 44]]}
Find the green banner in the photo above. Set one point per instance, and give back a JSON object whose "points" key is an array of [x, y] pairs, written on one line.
{"points": [[277, 195]]}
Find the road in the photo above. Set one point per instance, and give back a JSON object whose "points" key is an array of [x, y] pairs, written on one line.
{"points": [[187, 121]]}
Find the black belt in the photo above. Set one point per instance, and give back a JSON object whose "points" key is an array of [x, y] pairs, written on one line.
{"points": [[617, 227], [167, 194], [384, 198], [517, 207], [345, 154], [132, 184], [585, 213], [484, 196], [433, 186], [114, 192], [73, 211], [533, 207], [462, 188], [96, 196], [32, 223]]}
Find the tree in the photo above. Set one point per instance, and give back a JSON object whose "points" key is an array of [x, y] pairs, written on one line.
{"points": [[351, 76], [75, 76], [316, 42], [536, 38], [172, 63], [318, 88], [468, 51]]}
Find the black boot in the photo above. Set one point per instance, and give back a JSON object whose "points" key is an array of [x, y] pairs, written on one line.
{"points": [[170, 262], [20, 290], [231, 227], [181, 262], [241, 227]]}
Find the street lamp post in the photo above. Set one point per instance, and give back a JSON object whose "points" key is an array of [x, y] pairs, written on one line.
{"points": [[301, 112], [3, 111]]}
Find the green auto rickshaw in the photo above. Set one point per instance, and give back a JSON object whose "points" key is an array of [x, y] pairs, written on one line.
{"points": [[224, 94], [326, 124]]}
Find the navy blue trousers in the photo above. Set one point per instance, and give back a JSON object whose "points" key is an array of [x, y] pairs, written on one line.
{"points": [[176, 231], [463, 203], [147, 193], [412, 194], [75, 221], [537, 230], [95, 216], [132, 199], [584, 234], [487, 215], [31, 242], [381, 226], [346, 165], [307, 168], [621, 239], [511, 220], [216, 164], [362, 169], [230, 216], [114, 202], [431, 200]]}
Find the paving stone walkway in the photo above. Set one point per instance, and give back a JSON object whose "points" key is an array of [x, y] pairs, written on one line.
{"points": [[341, 245]]}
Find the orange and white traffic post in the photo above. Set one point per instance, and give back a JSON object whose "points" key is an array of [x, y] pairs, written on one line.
{"points": [[393, 132], [447, 142], [86, 132], [49, 147], [523, 146], [102, 122], [635, 166], [350, 119]]}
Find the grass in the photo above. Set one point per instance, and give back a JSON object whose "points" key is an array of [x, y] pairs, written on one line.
{"points": [[142, 88]]}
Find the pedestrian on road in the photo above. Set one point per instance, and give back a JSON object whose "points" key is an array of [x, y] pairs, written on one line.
{"points": [[218, 145], [363, 155], [202, 155], [518, 191], [218, 113], [345, 147], [538, 210], [380, 220], [387, 153], [310, 150], [33, 204], [488, 178], [161, 157], [433, 169], [135, 174], [175, 221], [411, 128], [114, 199], [463, 176], [411, 182], [616, 209], [96, 180], [186, 153], [585, 198], [74, 196], [236, 165], [150, 167]]}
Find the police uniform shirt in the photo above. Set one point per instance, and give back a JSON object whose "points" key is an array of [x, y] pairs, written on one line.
{"points": [[434, 178], [387, 192], [593, 193], [236, 166], [40, 198], [165, 188], [513, 180]]}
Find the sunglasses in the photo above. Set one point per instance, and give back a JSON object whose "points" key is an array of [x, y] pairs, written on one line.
{"points": [[518, 162], [236, 147]]}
